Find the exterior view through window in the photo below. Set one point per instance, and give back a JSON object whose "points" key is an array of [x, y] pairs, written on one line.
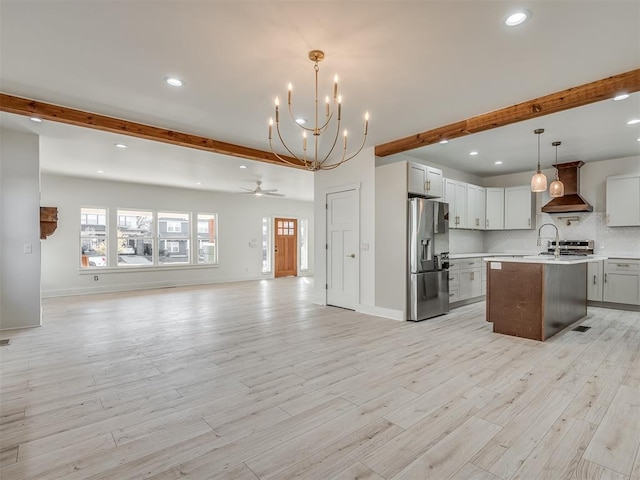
{"points": [[93, 237], [207, 238], [135, 238], [174, 232]]}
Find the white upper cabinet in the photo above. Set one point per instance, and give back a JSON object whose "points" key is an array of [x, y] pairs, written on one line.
{"points": [[455, 194], [623, 200], [476, 207], [495, 209], [424, 180], [519, 208]]}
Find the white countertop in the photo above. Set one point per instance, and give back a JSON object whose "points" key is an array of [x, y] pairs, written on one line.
{"points": [[547, 259], [456, 256], [599, 256]]}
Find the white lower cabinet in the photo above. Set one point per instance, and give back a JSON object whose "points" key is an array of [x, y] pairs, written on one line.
{"points": [[595, 272], [466, 279], [470, 278], [622, 281]]}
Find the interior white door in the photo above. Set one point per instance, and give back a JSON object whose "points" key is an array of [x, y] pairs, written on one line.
{"points": [[342, 248]]}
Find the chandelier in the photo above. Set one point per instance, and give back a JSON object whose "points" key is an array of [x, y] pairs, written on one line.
{"points": [[316, 161]]}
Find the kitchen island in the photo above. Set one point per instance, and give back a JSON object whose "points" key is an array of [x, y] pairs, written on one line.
{"points": [[536, 297]]}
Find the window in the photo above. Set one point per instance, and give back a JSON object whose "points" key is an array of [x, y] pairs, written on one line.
{"points": [[146, 238], [172, 247], [93, 237], [135, 238], [286, 228], [174, 227], [173, 238], [304, 244], [207, 238], [266, 245]]}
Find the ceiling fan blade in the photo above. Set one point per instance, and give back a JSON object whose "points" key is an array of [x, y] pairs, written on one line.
{"points": [[248, 189], [274, 194], [269, 190]]}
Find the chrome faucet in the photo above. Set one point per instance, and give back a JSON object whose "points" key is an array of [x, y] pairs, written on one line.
{"points": [[557, 249]]}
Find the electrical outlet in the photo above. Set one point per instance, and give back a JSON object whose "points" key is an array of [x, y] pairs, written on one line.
{"points": [[95, 278], [601, 245]]}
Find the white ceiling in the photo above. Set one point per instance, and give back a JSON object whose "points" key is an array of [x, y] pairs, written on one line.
{"points": [[413, 65]]}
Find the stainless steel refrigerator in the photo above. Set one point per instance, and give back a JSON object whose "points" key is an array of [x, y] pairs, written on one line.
{"points": [[428, 259]]}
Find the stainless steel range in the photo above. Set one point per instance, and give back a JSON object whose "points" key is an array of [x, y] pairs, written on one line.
{"points": [[570, 247]]}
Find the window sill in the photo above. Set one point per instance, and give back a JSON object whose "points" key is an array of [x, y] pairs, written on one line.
{"points": [[151, 268]]}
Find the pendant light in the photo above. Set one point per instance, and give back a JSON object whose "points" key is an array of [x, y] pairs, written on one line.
{"points": [[539, 180], [557, 187]]}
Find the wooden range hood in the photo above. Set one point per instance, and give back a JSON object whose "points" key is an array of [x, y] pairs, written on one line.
{"points": [[571, 202]]}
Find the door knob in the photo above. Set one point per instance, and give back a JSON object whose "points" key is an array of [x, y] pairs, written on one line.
{"points": [[353, 255]]}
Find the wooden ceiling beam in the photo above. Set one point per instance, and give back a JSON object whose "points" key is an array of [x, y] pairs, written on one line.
{"points": [[599, 90], [56, 113]]}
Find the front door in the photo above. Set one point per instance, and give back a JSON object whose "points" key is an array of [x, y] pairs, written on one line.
{"points": [[286, 248], [342, 248]]}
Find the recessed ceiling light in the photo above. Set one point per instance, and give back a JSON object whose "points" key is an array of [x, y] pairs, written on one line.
{"points": [[198, 183], [121, 145], [443, 141], [516, 18], [100, 171], [174, 82], [622, 96], [36, 119], [301, 121], [497, 163], [639, 140], [473, 153], [243, 166], [633, 121]]}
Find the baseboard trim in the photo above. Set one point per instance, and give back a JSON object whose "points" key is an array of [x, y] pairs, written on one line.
{"points": [[389, 313], [70, 292], [617, 306]]}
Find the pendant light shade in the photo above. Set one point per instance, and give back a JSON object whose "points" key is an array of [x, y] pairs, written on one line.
{"points": [[539, 180], [557, 187]]}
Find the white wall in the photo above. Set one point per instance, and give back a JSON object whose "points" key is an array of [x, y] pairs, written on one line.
{"points": [[591, 226], [20, 222], [358, 171], [239, 224]]}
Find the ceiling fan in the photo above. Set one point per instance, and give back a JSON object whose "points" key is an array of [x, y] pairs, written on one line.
{"points": [[259, 192]]}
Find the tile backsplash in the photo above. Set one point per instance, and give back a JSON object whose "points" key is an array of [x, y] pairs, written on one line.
{"points": [[589, 226]]}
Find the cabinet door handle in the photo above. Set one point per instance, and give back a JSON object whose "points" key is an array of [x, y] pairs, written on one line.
{"points": [[529, 221], [594, 280], [451, 294], [605, 278], [622, 264], [608, 218], [486, 222], [477, 222], [472, 276], [428, 185]]}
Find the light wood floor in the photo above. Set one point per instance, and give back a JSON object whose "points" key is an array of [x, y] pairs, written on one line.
{"points": [[252, 381]]}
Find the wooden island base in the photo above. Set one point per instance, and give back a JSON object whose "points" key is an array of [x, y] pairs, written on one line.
{"points": [[535, 300]]}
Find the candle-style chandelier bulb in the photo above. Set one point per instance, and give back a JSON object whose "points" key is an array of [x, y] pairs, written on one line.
{"points": [[317, 162]]}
